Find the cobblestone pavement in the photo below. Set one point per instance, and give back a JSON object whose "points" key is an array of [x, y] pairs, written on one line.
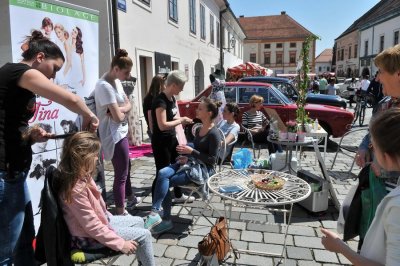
{"points": [[304, 244]]}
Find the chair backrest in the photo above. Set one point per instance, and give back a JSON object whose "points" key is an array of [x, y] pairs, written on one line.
{"points": [[249, 136], [53, 243], [222, 148]]}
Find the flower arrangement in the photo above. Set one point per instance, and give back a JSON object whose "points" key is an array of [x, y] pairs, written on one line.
{"points": [[291, 126]]}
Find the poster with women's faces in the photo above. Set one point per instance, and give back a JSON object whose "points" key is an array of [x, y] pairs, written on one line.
{"points": [[76, 32]]}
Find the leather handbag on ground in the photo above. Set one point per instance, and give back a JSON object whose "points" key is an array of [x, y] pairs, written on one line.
{"points": [[217, 241]]}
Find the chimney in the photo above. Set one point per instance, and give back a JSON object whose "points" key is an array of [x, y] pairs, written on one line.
{"points": [[241, 16], [283, 12]]}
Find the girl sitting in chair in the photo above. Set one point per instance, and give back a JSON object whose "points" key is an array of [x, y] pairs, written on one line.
{"points": [[229, 127], [205, 152], [90, 224]]}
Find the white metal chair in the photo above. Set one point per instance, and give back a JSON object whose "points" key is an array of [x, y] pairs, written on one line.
{"points": [[196, 189], [348, 149]]}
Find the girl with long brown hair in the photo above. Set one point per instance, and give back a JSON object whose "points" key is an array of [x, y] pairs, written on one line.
{"points": [[89, 222]]}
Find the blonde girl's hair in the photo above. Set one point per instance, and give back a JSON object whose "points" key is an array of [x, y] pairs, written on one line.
{"points": [[78, 161], [389, 59], [255, 99]]}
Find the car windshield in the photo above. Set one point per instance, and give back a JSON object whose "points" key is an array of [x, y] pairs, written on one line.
{"points": [[281, 95]]}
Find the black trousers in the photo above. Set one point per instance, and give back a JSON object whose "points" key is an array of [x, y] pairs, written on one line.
{"points": [[164, 151]]}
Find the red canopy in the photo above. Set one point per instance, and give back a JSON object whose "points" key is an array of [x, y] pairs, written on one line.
{"points": [[250, 69]]}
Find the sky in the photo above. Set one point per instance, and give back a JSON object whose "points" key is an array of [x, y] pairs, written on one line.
{"points": [[325, 18]]}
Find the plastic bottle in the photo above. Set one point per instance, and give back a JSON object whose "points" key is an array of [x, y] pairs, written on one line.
{"points": [[316, 125]]}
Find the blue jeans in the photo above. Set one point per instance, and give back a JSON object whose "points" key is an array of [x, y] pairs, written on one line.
{"points": [[167, 178], [16, 223]]}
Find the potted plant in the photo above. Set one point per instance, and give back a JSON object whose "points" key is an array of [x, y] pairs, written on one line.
{"points": [[303, 81], [292, 129]]}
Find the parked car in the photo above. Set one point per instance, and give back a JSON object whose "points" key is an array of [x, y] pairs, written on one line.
{"points": [[287, 88], [336, 121], [341, 88]]}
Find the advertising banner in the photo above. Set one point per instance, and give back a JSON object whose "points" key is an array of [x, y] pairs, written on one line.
{"points": [[76, 31]]}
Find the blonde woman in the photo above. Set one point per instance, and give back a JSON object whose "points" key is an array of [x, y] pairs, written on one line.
{"points": [[65, 47], [89, 222], [257, 123]]}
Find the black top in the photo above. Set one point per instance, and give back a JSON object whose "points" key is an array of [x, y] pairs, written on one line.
{"points": [[170, 107], [17, 106], [147, 102], [206, 148]]}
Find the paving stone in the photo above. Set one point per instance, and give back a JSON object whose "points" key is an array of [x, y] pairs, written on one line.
{"points": [[325, 256], [307, 263], [240, 244], [299, 253], [167, 239], [183, 263], [329, 224], [193, 254], [190, 241], [164, 261], [277, 249], [253, 217], [251, 236], [124, 260], [237, 225], [272, 228], [159, 249], [308, 242], [246, 259], [176, 252], [301, 230], [274, 238]]}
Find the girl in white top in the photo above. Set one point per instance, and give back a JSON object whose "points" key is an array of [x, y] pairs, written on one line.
{"points": [[112, 106], [382, 242]]}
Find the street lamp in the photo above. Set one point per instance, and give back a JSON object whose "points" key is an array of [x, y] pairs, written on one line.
{"points": [[232, 44]]}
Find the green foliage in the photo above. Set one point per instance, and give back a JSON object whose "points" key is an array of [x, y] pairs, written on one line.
{"points": [[301, 116]]}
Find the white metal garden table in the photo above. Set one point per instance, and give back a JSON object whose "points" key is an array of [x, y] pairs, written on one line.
{"points": [[294, 190]]}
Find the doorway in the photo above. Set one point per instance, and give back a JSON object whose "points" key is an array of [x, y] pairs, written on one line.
{"points": [[198, 77]]}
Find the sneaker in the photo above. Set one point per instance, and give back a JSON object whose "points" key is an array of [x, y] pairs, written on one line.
{"points": [[163, 227], [183, 198], [130, 204], [152, 220]]}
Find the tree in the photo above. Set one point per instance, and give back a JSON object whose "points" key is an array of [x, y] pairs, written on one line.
{"points": [[301, 115]]}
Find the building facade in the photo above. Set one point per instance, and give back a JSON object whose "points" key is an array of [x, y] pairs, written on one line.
{"points": [[370, 34], [275, 42], [323, 62], [189, 35], [347, 54], [376, 37]]}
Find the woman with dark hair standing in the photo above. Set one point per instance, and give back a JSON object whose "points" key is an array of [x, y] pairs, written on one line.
{"points": [[164, 116], [19, 84], [156, 87], [112, 107]]}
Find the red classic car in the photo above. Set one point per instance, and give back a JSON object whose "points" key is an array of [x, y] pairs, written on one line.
{"points": [[336, 121]]}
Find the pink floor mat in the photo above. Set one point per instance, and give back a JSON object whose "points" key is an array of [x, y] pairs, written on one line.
{"points": [[139, 151]]}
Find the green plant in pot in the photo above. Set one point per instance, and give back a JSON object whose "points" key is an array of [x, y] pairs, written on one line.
{"points": [[303, 79]]}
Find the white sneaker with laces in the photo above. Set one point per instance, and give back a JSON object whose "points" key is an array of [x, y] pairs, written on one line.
{"points": [[183, 198]]}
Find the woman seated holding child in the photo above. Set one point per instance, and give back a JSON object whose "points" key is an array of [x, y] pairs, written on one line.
{"points": [[90, 224], [205, 152]]}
